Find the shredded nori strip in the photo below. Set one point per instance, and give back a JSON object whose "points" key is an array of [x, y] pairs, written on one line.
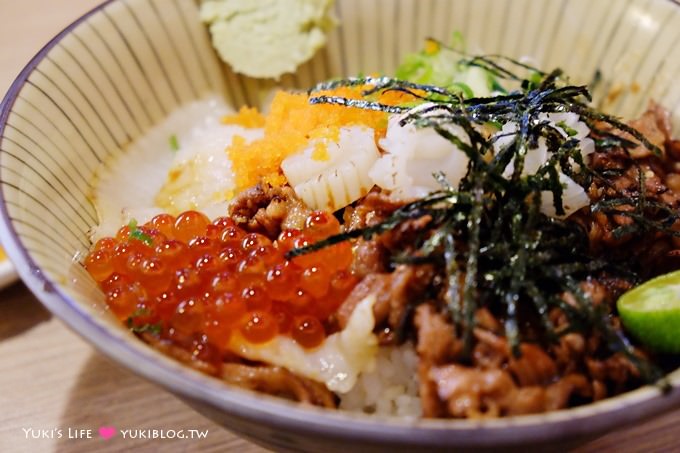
{"points": [[494, 245]]}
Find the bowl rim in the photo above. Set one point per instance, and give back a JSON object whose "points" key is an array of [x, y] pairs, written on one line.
{"points": [[150, 364]]}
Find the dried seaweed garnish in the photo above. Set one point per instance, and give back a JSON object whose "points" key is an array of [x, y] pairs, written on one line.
{"points": [[493, 244]]}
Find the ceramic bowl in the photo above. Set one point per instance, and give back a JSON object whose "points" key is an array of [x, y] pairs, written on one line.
{"points": [[123, 67]]}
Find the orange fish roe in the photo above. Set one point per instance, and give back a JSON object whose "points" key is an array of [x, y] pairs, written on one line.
{"points": [[196, 283], [248, 117], [290, 124], [320, 152]]}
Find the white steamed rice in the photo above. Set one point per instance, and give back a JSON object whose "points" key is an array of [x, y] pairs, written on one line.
{"points": [[128, 187], [391, 388]]}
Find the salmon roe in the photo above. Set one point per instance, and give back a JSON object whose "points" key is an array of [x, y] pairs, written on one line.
{"points": [[198, 282]]}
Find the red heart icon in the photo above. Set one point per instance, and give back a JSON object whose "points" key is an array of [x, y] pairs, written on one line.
{"points": [[107, 432]]}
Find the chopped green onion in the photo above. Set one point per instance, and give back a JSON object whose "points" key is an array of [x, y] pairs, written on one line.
{"points": [[568, 130], [174, 143], [136, 233], [146, 327], [464, 88], [458, 41]]}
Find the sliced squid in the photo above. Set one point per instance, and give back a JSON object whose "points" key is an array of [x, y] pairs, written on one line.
{"points": [[329, 175], [412, 156], [574, 197]]}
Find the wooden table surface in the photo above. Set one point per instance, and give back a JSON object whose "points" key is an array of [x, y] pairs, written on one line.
{"points": [[51, 379]]}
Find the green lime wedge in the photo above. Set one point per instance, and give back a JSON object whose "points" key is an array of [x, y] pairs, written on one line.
{"points": [[651, 313]]}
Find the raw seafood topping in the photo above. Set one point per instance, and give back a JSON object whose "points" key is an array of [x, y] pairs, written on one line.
{"points": [[187, 277]]}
